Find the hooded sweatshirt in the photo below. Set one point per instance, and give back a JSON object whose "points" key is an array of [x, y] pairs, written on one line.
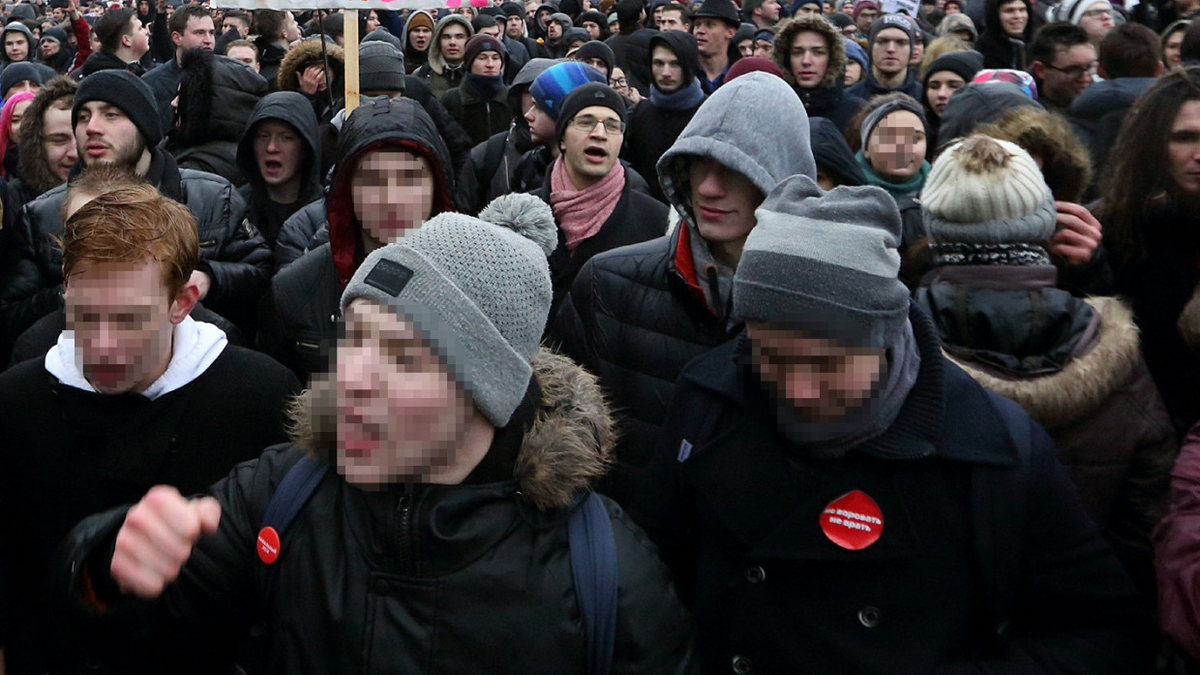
{"points": [[829, 99], [441, 75], [999, 49], [722, 129], [414, 58], [266, 215]]}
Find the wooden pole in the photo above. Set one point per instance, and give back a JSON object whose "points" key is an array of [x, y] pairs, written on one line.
{"points": [[350, 33]]}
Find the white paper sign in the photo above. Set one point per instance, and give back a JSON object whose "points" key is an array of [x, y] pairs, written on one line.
{"points": [[908, 7]]}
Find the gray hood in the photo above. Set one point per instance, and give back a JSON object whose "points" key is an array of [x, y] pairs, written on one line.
{"points": [[728, 127]]}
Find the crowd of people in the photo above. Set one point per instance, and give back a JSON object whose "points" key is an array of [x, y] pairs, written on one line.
{"points": [[854, 336]]}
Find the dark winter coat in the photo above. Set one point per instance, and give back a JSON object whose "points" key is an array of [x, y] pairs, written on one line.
{"points": [[490, 167], [68, 453], [309, 52], [637, 217], [104, 60], [1001, 50], [986, 560], [437, 72], [164, 82], [651, 132], [1176, 541], [830, 99], [480, 117], [1075, 366], [465, 578], [293, 109], [231, 252], [869, 87], [1096, 114], [298, 314], [296, 236]]}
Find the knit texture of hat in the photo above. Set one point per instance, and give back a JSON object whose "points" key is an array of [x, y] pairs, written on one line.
{"points": [[419, 19], [380, 67], [478, 289], [479, 44], [586, 96], [865, 4], [552, 86], [126, 91], [825, 263], [964, 63], [17, 72], [892, 21], [595, 49], [985, 191]]}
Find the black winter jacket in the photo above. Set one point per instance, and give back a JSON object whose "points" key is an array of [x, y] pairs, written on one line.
{"points": [[984, 562], [478, 116], [297, 320], [422, 578], [652, 131], [231, 252]]}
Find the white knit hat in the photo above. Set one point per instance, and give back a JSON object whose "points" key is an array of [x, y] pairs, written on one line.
{"points": [[984, 191]]}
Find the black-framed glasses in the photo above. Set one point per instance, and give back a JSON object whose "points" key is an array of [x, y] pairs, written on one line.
{"points": [[587, 123], [618, 82], [1074, 72]]}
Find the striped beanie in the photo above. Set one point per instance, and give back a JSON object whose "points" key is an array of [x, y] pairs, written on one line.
{"points": [[552, 86], [825, 263]]}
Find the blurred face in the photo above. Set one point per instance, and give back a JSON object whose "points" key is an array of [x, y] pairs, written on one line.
{"points": [[598, 64], [245, 55], [940, 88], [59, 145], [1013, 17], [57, 14], [16, 46], [672, 19], [854, 72], [392, 193], [763, 48], [1067, 75], [554, 30], [199, 32], [593, 29], [515, 27], [809, 59], [712, 36], [104, 135], [1183, 148], [541, 125], [658, 12], [1171, 50], [122, 320], [953, 8], [821, 379], [668, 74], [589, 147], [18, 115], [891, 51], [849, 31], [50, 47], [1097, 20], [419, 37], [723, 201], [896, 147], [399, 411], [453, 40], [746, 47], [488, 63], [279, 150]]}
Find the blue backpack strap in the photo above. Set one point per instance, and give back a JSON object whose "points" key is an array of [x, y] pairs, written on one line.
{"points": [[295, 489], [594, 566]]}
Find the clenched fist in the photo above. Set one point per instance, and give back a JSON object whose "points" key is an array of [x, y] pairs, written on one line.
{"points": [[157, 539]]}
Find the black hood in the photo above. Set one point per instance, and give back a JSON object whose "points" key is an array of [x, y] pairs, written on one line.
{"points": [[293, 108], [832, 153], [979, 103], [685, 49], [637, 55]]}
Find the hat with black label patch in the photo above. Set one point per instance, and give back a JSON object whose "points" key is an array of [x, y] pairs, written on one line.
{"points": [[478, 289]]}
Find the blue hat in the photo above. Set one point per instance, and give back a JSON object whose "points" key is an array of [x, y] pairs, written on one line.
{"points": [[855, 52], [552, 86]]}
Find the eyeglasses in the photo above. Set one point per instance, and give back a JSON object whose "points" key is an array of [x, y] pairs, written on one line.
{"points": [[1098, 13], [618, 82], [588, 123], [1074, 72]]}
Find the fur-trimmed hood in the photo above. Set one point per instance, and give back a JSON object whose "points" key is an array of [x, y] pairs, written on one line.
{"points": [[306, 52], [1066, 165], [568, 446], [437, 62], [1059, 399], [36, 174], [781, 52], [217, 94]]}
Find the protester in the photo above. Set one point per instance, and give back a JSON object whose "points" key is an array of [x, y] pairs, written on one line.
{"points": [[276, 30], [894, 138], [1095, 17], [960, 26], [384, 144], [945, 75], [865, 14], [1074, 365], [123, 43], [480, 103], [119, 405], [636, 316], [548, 92], [890, 44], [280, 156], [191, 27], [418, 35], [675, 96], [444, 68], [813, 59], [714, 26], [315, 69], [856, 62], [1007, 34], [10, 126], [1171, 42], [45, 143], [1063, 59], [806, 458]]}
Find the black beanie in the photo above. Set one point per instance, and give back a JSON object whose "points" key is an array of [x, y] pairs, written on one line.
{"points": [[586, 96], [965, 64], [595, 49], [683, 45], [126, 91]]}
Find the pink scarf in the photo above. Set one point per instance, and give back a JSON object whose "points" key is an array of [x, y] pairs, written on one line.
{"points": [[6, 133], [580, 213]]}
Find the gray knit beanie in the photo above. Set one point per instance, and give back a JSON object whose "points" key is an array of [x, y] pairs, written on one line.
{"points": [[478, 289], [826, 263], [985, 191], [380, 67]]}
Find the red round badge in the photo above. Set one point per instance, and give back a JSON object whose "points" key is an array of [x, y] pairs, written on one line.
{"points": [[268, 545], [852, 521]]}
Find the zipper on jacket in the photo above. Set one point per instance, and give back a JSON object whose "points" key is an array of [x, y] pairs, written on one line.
{"points": [[404, 509], [710, 270]]}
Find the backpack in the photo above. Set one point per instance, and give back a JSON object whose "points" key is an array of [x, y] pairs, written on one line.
{"points": [[589, 533]]}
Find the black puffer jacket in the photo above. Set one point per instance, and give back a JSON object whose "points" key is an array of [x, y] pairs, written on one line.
{"points": [[421, 578], [261, 212], [478, 116], [231, 252], [300, 311]]}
